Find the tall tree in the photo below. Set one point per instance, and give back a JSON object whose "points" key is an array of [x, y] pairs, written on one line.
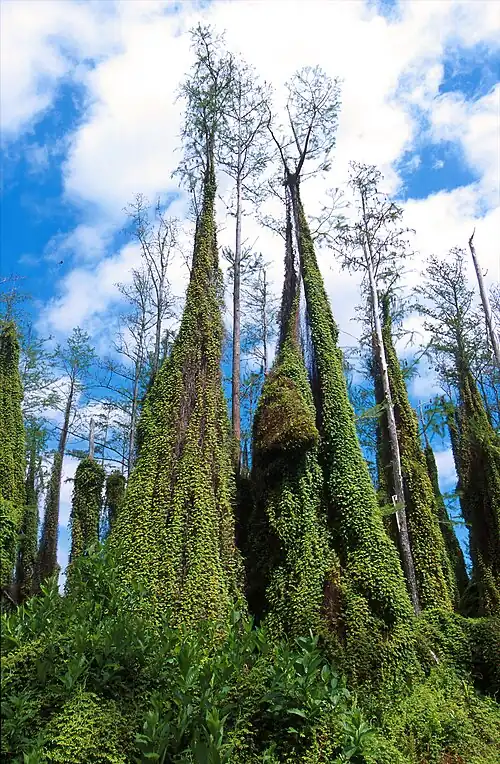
{"points": [[435, 577], [375, 244], [12, 450], [288, 551], [176, 527], [36, 437], [447, 305], [371, 589], [74, 359], [243, 155]]}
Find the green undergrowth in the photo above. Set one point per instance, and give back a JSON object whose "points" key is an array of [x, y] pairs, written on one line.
{"points": [[87, 678]]}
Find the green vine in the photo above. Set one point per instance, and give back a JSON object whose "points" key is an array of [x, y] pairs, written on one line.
{"points": [[86, 506], [453, 548], [12, 450], [435, 576], [114, 496], [376, 617], [176, 528], [288, 549], [477, 453]]}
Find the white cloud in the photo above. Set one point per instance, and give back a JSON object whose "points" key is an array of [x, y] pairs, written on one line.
{"points": [[446, 470], [126, 141], [447, 219], [475, 125], [42, 42]]}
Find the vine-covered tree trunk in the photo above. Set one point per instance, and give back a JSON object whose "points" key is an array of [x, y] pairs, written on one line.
{"points": [[114, 497], [478, 457], [372, 588], [176, 528], [26, 559], [434, 572], [236, 361], [86, 506], [288, 552], [12, 450], [46, 564], [453, 548]]}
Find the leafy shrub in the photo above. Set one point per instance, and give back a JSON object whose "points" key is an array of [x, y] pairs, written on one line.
{"points": [[88, 678]]}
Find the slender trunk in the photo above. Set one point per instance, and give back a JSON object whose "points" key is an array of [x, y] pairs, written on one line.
{"points": [[105, 439], [133, 416], [159, 312], [26, 560], [404, 539], [264, 321], [486, 303], [47, 554], [236, 371], [91, 439]]}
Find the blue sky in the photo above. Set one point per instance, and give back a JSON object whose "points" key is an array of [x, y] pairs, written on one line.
{"points": [[89, 118]]}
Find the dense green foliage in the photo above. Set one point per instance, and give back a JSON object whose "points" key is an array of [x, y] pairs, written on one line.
{"points": [[46, 562], [177, 523], [12, 449], [28, 537], [478, 456], [86, 506], [435, 576], [114, 496], [453, 548], [373, 614], [87, 679], [288, 553], [153, 653]]}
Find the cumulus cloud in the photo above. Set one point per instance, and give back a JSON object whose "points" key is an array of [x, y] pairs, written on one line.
{"points": [[129, 134], [128, 137]]}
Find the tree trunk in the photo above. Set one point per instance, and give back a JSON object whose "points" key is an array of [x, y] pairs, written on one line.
{"points": [[133, 417], [156, 355], [486, 303], [47, 554], [404, 539], [236, 370], [264, 321], [91, 439]]}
